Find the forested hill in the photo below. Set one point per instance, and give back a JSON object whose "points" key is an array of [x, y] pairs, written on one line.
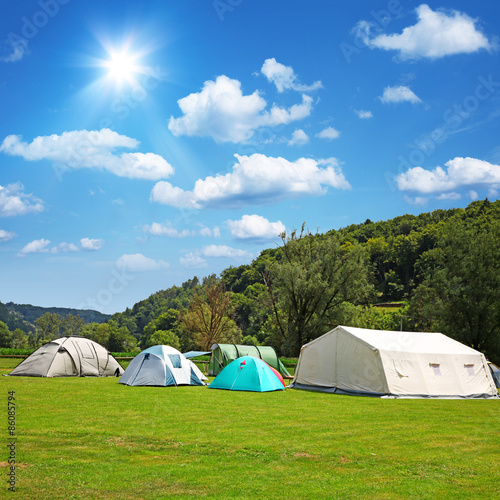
{"points": [[406, 257], [23, 316], [442, 267]]}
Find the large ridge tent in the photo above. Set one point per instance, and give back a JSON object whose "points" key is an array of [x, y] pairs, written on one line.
{"points": [[223, 354], [69, 357], [162, 365], [349, 360], [248, 373]]}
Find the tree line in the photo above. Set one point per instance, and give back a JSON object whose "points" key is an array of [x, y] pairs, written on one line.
{"points": [[442, 267]]}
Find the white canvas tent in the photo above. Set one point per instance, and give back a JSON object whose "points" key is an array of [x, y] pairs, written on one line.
{"points": [[69, 357], [349, 360], [162, 365]]}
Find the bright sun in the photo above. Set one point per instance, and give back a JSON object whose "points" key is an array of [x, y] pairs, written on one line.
{"points": [[122, 67]]}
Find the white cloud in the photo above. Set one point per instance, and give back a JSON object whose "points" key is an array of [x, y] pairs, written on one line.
{"points": [[69, 147], [461, 172], [14, 202], [211, 233], [473, 195], [282, 116], [91, 244], [363, 115], [328, 133], [65, 247], [164, 192], [36, 246], [222, 112], [448, 196], [193, 260], [255, 227], [256, 180], [198, 258], [14, 50], [6, 235], [417, 200], [42, 246], [399, 94], [299, 137], [284, 77], [90, 149], [139, 263], [436, 34], [159, 229], [225, 251]]}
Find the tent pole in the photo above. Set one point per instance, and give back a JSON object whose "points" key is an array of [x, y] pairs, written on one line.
{"points": [[234, 381], [260, 355]]}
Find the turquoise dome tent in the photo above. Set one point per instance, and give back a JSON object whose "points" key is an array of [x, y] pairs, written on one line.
{"points": [[247, 374]]}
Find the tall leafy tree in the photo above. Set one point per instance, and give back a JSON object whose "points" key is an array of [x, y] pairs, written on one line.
{"points": [[208, 316], [165, 322], [119, 339], [378, 249], [165, 337], [19, 339], [315, 275], [461, 294], [251, 311], [5, 335], [98, 332], [50, 327], [72, 325]]}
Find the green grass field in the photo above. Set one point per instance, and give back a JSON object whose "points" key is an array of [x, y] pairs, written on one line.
{"points": [[93, 438]]}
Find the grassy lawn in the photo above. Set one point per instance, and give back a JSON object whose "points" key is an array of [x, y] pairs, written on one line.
{"points": [[91, 438]]}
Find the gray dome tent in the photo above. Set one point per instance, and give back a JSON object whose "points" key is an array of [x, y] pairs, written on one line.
{"points": [[69, 357]]}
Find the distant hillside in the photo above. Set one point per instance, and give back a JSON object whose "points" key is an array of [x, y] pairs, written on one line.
{"points": [[400, 254], [24, 315]]}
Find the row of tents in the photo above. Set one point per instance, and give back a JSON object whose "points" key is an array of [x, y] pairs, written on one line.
{"points": [[238, 367], [346, 360]]}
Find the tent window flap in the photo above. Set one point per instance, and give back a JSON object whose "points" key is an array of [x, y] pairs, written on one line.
{"points": [[175, 359], [470, 370], [436, 368], [85, 350]]}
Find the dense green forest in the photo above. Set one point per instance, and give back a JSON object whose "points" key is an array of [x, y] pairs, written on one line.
{"points": [[442, 268]]}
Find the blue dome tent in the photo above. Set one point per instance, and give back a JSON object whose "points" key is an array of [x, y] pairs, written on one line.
{"points": [[162, 365]]}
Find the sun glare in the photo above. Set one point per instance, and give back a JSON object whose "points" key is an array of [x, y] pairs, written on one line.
{"points": [[121, 67]]}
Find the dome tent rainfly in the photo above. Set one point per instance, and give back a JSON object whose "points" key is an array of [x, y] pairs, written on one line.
{"points": [[248, 373], [359, 361], [69, 357], [162, 365]]}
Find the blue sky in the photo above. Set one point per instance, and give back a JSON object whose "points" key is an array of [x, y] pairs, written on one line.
{"points": [[144, 143]]}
